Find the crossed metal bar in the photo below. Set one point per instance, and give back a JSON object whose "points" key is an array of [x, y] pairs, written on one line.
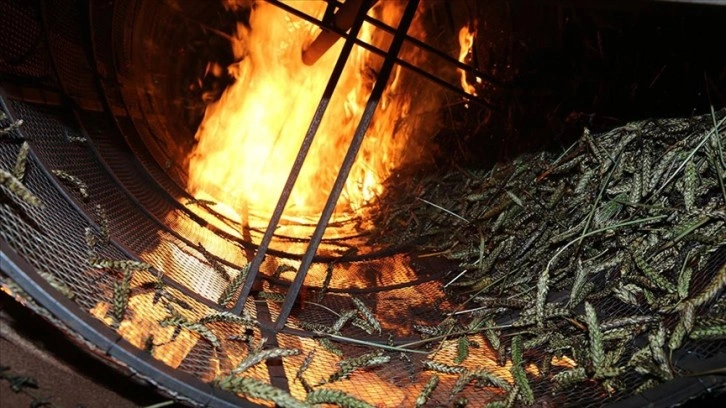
{"points": [[455, 88], [371, 105]]}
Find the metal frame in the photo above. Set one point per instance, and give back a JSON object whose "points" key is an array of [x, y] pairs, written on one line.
{"points": [[381, 82], [107, 341], [189, 387], [377, 51]]}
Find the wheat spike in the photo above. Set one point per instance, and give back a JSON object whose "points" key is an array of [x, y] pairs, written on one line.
{"points": [[17, 188]]}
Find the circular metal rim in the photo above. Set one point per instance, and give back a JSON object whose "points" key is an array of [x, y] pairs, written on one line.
{"points": [[179, 384]]}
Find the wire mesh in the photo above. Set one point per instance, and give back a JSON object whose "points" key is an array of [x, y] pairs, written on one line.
{"points": [[55, 245], [24, 51], [148, 220], [72, 65]]}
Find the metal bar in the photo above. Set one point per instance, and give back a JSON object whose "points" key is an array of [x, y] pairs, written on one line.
{"points": [[422, 45], [342, 20], [299, 160], [367, 117], [377, 51]]}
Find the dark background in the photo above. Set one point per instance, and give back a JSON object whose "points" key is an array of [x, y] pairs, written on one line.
{"points": [[570, 64]]}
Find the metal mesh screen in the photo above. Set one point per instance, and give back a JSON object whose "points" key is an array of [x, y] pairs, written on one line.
{"points": [[171, 311], [24, 51], [62, 19]]}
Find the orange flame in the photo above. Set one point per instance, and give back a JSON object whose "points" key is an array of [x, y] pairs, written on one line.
{"points": [[248, 139], [466, 41]]}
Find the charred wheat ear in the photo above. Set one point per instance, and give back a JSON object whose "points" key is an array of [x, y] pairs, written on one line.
{"points": [[648, 384], [462, 381], [462, 350], [347, 366], [568, 378], [426, 391], [485, 377], [273, 296], [597, 350], [442, 368], [518, 373], [263, 355], [214, 263], [711, 290], [121, 291], [542, 290], [656, 341], [683, 327], [335, 397], [651, 274], [343, 319], [91, 239], [227, 317], [253, 388], [21, 192], [690, 179], [282, 269], [316, 327], [21, 162], [326, 281], [11, 127], [200, 202], [178, 321], [103, 224], [428, 330], [709, 332], [684, 281], [74, 181], [617, 322], [231, 289], [57, 284], [305, 364], [367, 314], [122, 265], [329, 346]]}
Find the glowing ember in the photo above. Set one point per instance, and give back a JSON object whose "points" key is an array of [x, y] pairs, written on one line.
{"points": [[466, 41], [141, 325], [248, 139], [564, 361]]}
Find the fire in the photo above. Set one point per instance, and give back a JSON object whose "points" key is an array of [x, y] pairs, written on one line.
{"points": [[466, 41], [250, 137], [564, 362]]}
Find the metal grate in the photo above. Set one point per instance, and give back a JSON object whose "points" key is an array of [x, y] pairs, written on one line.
{"points": [[23, 51], [150, 221]]}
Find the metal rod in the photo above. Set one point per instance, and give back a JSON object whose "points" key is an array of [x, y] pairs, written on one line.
{"points": [[342, 20], [377, 51], [420, 44], [299, 160], [367, 117]]}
